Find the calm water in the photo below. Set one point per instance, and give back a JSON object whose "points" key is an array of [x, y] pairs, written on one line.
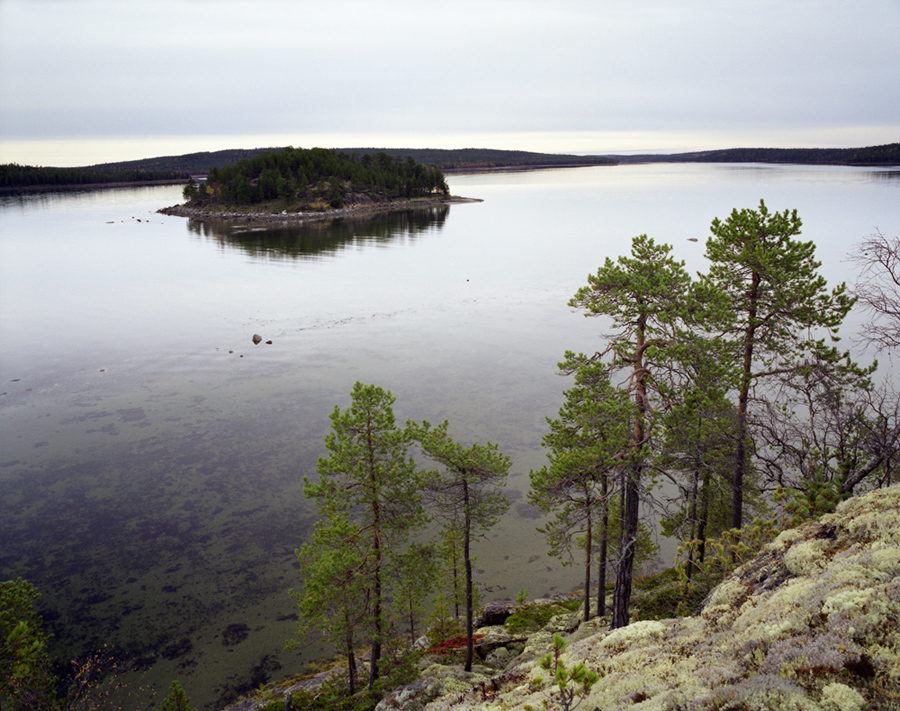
{"points": [[152, 456]]}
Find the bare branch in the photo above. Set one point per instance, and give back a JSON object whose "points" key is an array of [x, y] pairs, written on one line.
{"points": [[878, 289]]}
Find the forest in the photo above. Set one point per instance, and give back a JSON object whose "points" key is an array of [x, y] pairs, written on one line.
{"points": [[13, 175], [719, 403], [298, 179]]}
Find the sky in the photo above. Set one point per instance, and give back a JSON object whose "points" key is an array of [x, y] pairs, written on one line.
{"points": [[88, 81]]}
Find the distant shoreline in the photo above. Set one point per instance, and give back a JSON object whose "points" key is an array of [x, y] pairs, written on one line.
{"points": [[360, 210], [89, 186]]}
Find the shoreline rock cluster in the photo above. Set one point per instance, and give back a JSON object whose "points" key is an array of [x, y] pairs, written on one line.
{"points": [[352, 211], [811, 624]]}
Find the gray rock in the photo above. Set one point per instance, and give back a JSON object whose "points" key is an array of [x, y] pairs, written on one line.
{"points": [[256, 339], [495, 613], [411, 697]]}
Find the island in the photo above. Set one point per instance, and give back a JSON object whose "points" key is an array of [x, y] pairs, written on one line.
{"points": [[309, 184]]}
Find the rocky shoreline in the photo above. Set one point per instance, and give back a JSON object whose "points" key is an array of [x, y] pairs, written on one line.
{"points": [[811, 623], [351, 211]]}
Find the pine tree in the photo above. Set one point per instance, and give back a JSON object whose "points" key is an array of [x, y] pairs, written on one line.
{"points": [[370, 478], [587, 442], [647, 297], [778, 304], [176, 700], [333, 599], [468, 491], [415, 573]]}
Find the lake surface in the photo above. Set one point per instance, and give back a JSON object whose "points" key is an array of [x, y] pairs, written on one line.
{"points": [[151, 457]]}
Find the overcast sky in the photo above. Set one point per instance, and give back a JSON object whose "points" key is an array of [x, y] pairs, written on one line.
{"points": [[168, 77]]}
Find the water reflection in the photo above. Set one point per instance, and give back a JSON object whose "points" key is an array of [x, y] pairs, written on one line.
{"points": [[314, 240], [883, 175], [78, 196]]}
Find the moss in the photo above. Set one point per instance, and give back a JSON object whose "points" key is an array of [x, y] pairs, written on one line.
{"points": [[531, 618], [662, 596]]}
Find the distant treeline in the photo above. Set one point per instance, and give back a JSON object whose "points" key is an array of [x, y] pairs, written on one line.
{"points": [[194, 163], [888, 154], [488, 158], [178, 167], [457, 159], [13, 175], [317, 178]]}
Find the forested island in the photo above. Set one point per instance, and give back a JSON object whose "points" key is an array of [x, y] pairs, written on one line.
{"points": [[311, 180], [178, 168]]}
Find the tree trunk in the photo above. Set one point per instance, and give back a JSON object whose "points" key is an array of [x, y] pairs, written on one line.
{"points": [[470, 641], [689, 563], [704, 515], [604, 553], [351, 666], [456, 583], [623, 487], [376, 637], [740, 466], [587, 569], [622, 593], [376, 596]]}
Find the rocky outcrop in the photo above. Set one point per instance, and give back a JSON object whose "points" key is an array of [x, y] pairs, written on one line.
{"points": [[811, 624]]}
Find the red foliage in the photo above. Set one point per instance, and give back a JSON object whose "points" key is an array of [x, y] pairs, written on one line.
{"points": [[452, 644]]}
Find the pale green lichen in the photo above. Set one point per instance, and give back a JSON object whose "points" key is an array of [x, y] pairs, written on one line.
{"points": [[885, 559], [823, 601], [784, 540], [779, 615], [729, 592], [635, 632], [840, 697], [849, 600], [807, 558]]}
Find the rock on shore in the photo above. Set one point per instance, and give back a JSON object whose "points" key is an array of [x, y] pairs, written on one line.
{"points": [[361, 210]]}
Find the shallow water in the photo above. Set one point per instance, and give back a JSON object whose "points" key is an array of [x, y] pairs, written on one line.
{"points": [[152, 456]]}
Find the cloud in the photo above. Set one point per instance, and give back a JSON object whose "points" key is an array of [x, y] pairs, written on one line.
{"points": [[106, 68]]}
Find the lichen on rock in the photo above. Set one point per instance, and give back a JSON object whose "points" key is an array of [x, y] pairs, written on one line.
{"points": [[811, 624]]}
